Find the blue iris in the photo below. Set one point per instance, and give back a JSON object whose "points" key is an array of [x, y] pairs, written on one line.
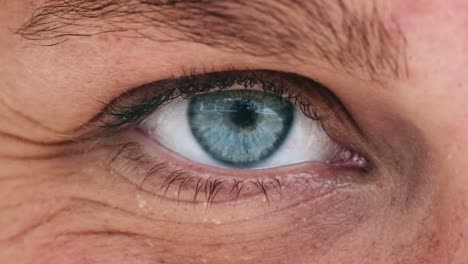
{"points": [[240, 128]]}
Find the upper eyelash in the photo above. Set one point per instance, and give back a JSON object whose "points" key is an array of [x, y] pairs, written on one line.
{"points": [[188, 86]]}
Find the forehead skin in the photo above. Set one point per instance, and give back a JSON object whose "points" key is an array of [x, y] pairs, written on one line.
{"points": [[433, 96]]}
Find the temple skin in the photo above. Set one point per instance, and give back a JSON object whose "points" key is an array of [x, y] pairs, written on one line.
{"points": [[60, 206]]}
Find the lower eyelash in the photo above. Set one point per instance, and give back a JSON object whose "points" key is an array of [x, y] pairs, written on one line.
{"points": [[204, 190], [159, 180]]}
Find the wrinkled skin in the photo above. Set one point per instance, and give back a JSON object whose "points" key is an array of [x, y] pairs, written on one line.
{"points": [[59, 204]]}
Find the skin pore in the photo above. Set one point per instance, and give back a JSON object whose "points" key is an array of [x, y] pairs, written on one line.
{"points": [[398, 67]]}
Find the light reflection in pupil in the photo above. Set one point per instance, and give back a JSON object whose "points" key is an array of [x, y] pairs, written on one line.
{"points": [[240, 128]]}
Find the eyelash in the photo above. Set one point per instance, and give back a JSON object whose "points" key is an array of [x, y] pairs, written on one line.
{"points": [[117, 114], [129, 156], [206, 188]]}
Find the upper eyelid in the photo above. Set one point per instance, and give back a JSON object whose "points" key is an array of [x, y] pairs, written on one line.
{"points": [[120, 113]]}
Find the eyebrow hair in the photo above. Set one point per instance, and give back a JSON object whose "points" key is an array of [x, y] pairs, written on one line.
{"points": [[353, 38]]}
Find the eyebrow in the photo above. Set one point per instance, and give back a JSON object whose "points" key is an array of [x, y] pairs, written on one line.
{"points": [[353, 38]]}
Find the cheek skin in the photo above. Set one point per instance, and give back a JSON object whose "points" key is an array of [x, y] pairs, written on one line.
{"points": [[453, 190], [89, 217], [81, 214], [263, 239], [250, 245], [437, 94]]}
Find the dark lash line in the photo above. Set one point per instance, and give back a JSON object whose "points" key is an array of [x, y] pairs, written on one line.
{"points": [[210, 187], [181, 185], [155, 169], [261, 186], [188, 86], [277, 187], [197, 189], [214, 187], [238, 189], [172, 178]]}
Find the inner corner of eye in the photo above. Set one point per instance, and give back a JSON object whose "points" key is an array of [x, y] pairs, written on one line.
{"points": [[241, 128]]}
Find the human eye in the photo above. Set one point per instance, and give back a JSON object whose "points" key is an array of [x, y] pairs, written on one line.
{"points": [[223, 136], [242, 127]]}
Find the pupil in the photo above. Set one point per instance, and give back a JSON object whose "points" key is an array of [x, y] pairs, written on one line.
{"points": [[243, 114]]}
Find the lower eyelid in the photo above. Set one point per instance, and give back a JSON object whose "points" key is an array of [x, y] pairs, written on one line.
{"points": [[160, 173]]}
